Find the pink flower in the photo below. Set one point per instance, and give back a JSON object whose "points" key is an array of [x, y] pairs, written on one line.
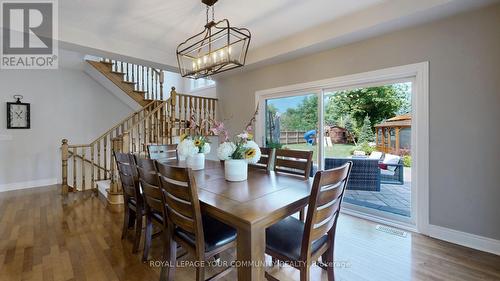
{"points": [[243, 135]]}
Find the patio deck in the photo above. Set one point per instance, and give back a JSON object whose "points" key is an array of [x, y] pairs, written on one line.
{"points": [[391, 198]]}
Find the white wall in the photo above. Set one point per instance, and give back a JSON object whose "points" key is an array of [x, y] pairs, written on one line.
{"points": [[65, 103], [183, 86], [208, 92], [173, 79]]}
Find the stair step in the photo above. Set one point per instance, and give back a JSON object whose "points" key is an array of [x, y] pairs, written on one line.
{"points": [[140, 91], [103, 187], [118, 72], [129, 82], [107, 62]]}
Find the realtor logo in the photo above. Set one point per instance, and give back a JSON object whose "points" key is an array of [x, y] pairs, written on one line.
{"points": [[29, 31]]}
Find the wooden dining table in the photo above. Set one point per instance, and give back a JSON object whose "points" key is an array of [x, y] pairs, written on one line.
{"points": [[249, 206]]}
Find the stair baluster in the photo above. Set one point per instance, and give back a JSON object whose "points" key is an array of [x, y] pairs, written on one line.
{"points": [[158, 121]]}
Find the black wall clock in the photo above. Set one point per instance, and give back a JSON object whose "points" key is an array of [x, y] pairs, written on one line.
{"points": [[18, 114]]}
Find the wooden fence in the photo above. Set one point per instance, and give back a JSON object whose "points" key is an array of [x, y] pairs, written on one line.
{"points": [[292, 137]]}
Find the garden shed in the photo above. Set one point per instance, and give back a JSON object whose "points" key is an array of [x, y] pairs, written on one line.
{"points": [[337, 134], [394, 135]]}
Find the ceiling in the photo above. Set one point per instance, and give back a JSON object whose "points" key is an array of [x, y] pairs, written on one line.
{"points": [[151, 30]]}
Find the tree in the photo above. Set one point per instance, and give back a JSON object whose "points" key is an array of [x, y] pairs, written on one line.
{"points": [[304, 117], [366, 133], [379, 103]]}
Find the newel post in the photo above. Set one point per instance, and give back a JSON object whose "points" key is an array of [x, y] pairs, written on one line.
{"points": [[64, 161], [115, 195]]}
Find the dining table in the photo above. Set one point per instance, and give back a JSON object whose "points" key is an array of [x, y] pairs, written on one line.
{"points": [[249, 206]]}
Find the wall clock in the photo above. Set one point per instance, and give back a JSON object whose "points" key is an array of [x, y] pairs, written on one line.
{"points": [[18, 114]]}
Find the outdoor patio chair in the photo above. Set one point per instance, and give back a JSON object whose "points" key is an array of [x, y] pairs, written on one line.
{"points": [[392, 170]]}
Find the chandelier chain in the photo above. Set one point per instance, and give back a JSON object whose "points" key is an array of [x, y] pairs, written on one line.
{"points": [[207, 12], [213, 13]]}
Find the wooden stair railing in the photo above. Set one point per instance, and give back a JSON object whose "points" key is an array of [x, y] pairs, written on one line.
{"points": [[158, 122], [141, 83], [96, 155]]}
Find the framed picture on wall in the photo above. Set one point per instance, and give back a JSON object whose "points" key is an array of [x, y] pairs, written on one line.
{"points": [[18, 114]]}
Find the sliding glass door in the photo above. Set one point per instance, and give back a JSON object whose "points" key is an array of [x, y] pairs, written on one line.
{"points": [[371, 126], [368, 125]]}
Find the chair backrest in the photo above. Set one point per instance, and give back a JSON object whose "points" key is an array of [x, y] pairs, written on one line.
{"points": [[265, 159], [128, 176], [181, 200], [150, 183], [297, 162], [324, 205], [163, 151]]}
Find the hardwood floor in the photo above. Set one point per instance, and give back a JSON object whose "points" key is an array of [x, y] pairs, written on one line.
{"points": [[44, 236]]}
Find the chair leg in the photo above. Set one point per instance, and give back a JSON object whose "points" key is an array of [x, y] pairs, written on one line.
{"points": [[147, 238], [138, 231], [304, 273], [126, 218], [200, 273], [170, 258], [302, 215], [327, 259]]}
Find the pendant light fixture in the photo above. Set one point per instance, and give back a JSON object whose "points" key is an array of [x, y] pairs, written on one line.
{"points": [[218, 48]]}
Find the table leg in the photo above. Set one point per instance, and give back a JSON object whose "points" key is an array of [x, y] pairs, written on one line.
{"points": [[250, 252]]}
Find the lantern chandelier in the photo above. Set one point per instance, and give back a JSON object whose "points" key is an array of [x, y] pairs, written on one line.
{"points": [[218, 48]]}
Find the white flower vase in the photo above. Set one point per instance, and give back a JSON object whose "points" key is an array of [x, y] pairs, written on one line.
{"points": [[236, 170], [181, 157], [196, 162]]}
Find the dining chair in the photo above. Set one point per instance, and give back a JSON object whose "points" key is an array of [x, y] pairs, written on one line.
{"points": [[202, 236], [265, 159], [299, 244], [154, 202], [162, 151], [132, 197], [295, 162]]}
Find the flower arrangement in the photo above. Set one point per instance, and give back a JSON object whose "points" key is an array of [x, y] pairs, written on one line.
{"points": [[242, 148], [192, 145], [236, 154]]}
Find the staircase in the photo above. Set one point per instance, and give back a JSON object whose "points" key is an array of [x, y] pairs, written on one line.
{"points": [[163, 117]]}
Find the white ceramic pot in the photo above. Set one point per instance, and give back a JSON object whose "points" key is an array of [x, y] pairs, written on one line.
{"points": [[181, 157], [196, 162], [236, 170]]}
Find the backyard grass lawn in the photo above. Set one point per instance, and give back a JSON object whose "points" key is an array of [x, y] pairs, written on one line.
{"points": [[337, 150]]}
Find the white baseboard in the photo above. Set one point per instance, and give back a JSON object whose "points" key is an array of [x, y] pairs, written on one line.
{"points": [[469, 240], [27, 184]]}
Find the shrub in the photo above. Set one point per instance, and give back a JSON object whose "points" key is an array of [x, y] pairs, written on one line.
{"points": [[407, 160], [365, 146]]}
